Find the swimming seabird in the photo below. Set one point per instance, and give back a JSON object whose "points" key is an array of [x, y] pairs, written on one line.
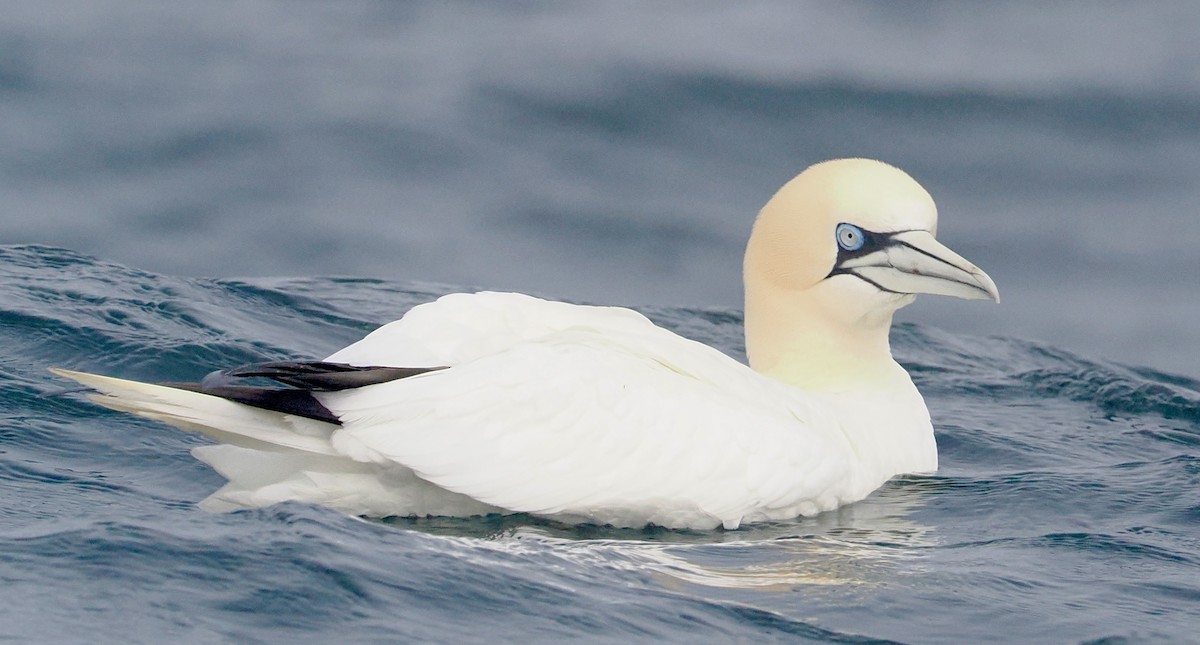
{"points": [[504, 403]]}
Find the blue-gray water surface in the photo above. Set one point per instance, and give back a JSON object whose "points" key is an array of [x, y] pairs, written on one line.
{"points": [[611, 152], [616, 151], [1066, 508]]}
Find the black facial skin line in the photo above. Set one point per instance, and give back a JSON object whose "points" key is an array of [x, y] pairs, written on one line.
{"points": [[865, 279], [922, 252], [872, 242]]}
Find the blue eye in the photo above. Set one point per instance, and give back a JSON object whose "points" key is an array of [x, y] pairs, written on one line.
{"points": [[849, 237]]}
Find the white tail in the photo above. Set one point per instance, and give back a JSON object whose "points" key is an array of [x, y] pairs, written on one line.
{"points": [[270, 457], [211, 416]]}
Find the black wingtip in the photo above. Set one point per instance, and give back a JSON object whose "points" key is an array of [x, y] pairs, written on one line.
{"points": [[302, 378], [300, 403], [318, 376]]}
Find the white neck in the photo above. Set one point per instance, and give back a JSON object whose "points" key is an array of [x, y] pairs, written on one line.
{"points": [[850, 366], [790, 338]]}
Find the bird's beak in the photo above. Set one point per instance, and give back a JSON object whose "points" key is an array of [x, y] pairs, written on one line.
{"points": [[914, 262]]}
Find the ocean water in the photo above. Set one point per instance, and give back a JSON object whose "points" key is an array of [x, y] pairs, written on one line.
{"points": [[1066, 508], [178, 182], [616, 151]]}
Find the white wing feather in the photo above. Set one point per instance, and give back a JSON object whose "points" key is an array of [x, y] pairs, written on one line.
{"points": [[592, 412], [581, 413]]}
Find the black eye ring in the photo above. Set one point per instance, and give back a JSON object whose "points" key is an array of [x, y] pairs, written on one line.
{"points": [[849, 237]]}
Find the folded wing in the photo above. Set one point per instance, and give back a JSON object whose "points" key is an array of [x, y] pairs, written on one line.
{"points": [[605, 417]]}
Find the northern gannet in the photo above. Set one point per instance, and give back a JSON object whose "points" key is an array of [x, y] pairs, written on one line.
{"points": [[504, 403]]}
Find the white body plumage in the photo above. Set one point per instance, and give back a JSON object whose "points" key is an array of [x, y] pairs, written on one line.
{"points": [[595, 414]]}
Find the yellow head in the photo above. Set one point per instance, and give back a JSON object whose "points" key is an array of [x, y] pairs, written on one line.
{"points": [[832, 256]]}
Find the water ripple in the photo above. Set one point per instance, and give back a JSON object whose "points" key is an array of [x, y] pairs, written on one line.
{"points": [[1067, 493]]}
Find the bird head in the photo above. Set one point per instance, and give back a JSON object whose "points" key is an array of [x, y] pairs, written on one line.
{"points": [[838, 250]]}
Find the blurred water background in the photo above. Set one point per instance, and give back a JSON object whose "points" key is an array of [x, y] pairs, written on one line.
{"points": [[236, 155], [616, 151]]}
